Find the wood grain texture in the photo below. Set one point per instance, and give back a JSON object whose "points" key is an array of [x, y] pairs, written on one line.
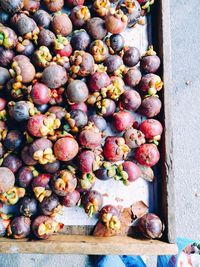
{"points": [[168, 192], [70, 244]]}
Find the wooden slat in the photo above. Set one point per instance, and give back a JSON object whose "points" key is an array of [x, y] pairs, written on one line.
{"points": [[71, 244], [168, 200]]}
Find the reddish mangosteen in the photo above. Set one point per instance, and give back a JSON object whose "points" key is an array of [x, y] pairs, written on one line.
{"points": [[92, 202], [151, 84], [101, 7], [90, 137], [82, 64], [43, 227], [57, 96], [74, 2], [23, 69], [42, 125], [96, 28], [88, 161], [58, 111], [66, 148], [40, 94], [147, 155], [81, 106], [79, 16], [133, 77], [123, 120], [115, 148], [130, 100], [116, 21], [62, 46], [31, 5], [130, 171], [7, 179], [152, 129], [98, 80], [54, 6], [61, 24], [63, 182], [110, 217], [71, 199], [150, 106], [134, 138]]}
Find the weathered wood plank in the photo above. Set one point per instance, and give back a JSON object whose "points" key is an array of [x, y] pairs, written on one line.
{"points": [[71, 244], [164, 42]]}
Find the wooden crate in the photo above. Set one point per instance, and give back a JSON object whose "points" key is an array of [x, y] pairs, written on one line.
{"points": [[81, 243]]}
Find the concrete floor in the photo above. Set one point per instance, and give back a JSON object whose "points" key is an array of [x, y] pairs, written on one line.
{"points": [[185, 25]]}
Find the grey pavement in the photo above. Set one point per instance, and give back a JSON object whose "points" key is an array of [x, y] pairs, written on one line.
{"points": [[185, 33]]}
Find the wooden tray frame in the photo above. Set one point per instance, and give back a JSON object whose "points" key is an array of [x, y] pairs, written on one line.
{"points": [[84, 244]]}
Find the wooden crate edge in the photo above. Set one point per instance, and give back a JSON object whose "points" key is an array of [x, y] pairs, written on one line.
{"points": [[70, 244]]}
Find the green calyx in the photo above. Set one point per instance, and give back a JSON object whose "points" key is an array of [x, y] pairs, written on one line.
{"points": [[111, 169], [60, 42], [3, 115], [152, 91], [91, 211], [1, 38], [147, 6], [87, 180], [121, 175]]}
